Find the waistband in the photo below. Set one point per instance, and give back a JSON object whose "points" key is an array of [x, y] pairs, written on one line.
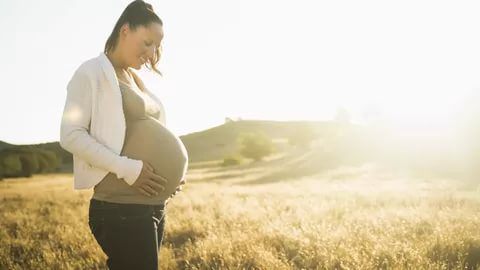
{"points": [[106, 204]]}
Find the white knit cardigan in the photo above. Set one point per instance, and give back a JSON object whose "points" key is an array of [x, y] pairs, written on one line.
{"points": [[93, 124]]}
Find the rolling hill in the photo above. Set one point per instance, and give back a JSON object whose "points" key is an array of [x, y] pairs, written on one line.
{"points": [[214, 143]]}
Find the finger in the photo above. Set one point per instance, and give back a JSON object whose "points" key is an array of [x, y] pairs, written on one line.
{"points": [[150, 190], [155, 185], [149, 166], [143, 191], [159, 179]]}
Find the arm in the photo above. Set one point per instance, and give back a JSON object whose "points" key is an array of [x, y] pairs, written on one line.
{"points": [[75, 137]]}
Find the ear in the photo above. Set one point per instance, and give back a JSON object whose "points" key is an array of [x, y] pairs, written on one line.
{"points": [[124, 29]]}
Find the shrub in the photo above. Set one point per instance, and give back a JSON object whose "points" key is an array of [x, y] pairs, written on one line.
{"points": [[232, 160], [255, 145]]}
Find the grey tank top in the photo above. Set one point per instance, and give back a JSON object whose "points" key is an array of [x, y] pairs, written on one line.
{"points": [[137, 106]]}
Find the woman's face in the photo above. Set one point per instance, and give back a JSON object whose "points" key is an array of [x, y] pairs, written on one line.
{"points": [[139, 45]]}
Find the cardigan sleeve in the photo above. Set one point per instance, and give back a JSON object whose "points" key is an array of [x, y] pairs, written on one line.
{"points": [[75, 136]]}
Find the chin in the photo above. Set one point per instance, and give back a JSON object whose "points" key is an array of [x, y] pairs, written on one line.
{"points": [[137, 67]]}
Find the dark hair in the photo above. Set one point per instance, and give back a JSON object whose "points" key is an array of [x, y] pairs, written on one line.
{"points": [[137, 13]]}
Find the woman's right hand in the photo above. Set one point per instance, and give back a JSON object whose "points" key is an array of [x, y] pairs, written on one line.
{"points": [[148, 182]]}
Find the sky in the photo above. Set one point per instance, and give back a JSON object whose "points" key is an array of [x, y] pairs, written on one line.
{"points": [[413, 63]]}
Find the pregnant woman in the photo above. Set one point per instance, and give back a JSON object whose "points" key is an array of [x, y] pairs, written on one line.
{"points": [[115, 128]]}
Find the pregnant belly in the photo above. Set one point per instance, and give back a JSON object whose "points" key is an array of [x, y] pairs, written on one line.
{"points": [[150, 141]]}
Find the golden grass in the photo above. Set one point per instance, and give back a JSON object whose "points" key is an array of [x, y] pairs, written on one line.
{"points": [[348, 218]]}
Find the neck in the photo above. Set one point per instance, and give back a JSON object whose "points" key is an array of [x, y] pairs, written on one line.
{"points": [[117, 63], [121, 69]]}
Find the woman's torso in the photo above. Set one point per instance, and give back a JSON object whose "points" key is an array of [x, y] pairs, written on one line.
{"points": [[148, 140]]}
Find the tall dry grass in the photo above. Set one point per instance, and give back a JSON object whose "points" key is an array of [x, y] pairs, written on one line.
{"points": [[360, 217]]}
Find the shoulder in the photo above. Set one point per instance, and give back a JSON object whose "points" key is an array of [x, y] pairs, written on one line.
{"points": [[90, 67], [86, 73]]}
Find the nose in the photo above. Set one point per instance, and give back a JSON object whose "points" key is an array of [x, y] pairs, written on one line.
{"points": [[150, 52]]}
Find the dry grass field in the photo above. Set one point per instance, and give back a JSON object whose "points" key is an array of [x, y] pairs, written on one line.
{"points": [[241, 217]]}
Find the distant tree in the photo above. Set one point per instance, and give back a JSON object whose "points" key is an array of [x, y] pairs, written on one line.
{"points": [[11, 164], [29, 163], [43, 164], [48, 160], [255, 145]]}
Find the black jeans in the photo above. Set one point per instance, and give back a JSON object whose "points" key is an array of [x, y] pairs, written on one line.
{"points": [[129, 234]]}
